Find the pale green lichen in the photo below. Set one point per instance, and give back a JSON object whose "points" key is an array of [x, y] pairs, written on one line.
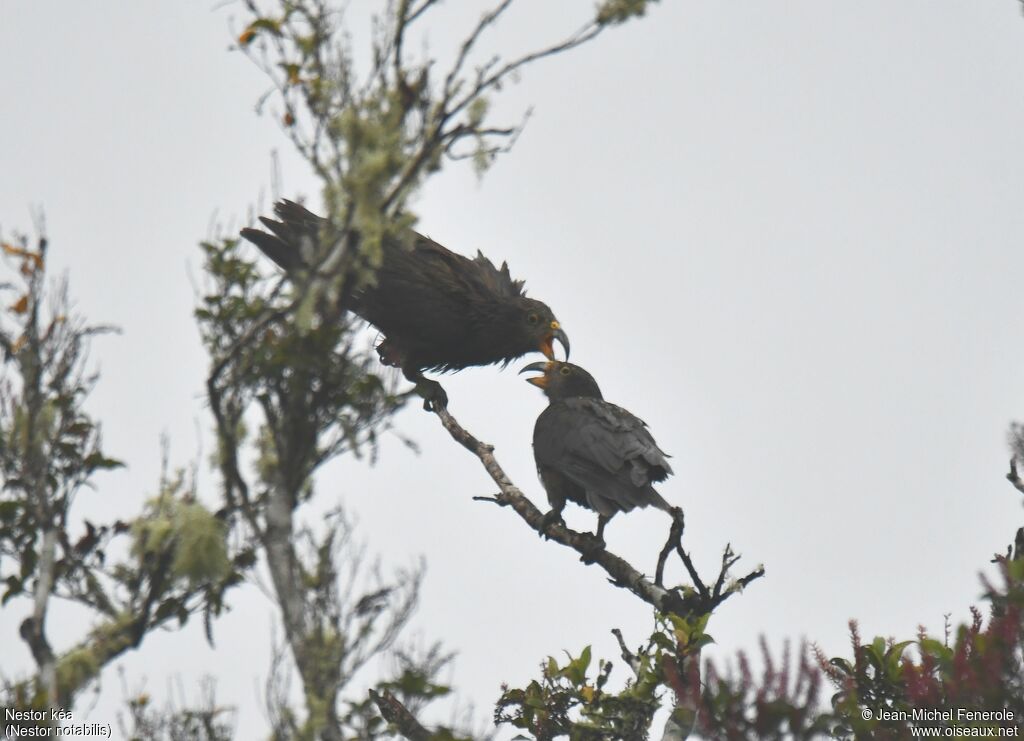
{"points": [[191, 532], [76, 668], [201, 554], [612, 12]]}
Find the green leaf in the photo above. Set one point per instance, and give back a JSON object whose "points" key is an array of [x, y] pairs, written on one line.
{"points": [[292, 70], [936, 649], [166, 609], [269, 25], [1015, 570], [9, 510], [894, 656], [14, 588], [97, 461], [663, 642], [700, 642], [576, 670], [843, 665], [29, 558], [582, 664]]}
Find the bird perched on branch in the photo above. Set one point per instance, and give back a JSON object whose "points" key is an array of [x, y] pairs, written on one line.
{"points": [[437, 310], [590, 451]]}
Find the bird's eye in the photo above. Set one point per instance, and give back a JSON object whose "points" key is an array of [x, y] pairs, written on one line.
{"points": [[565, 370], [533, 319]]}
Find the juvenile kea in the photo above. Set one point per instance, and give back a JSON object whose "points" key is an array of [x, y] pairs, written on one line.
{"points": [[590, 451], [437, 310]]}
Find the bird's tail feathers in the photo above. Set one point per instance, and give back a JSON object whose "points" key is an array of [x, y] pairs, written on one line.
{"points": [[292, 240], [273, 247]]}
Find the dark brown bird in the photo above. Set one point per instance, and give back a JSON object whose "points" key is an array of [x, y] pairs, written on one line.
{"points": [[437, 310], [591, 452]]}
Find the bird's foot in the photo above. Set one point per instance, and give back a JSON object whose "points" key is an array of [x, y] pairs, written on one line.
{"points": [[551, 518], [434, 397], [591, 546]]}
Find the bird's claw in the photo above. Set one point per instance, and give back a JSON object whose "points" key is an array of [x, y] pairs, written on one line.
{"points": [[592, 545], [434, 396], [551, 518]]}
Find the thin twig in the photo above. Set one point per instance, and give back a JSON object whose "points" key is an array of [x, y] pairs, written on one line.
{"points": [[628, 656], [674, 536], [1013, 477]]}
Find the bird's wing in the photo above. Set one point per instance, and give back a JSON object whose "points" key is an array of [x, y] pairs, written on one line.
{"points": [[418, 295], [494, 281], [445, 310], [425, 264], [604, 449], [472, 280]]}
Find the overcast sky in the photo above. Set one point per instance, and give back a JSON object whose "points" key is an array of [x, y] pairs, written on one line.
{"points": [[786, 234]]}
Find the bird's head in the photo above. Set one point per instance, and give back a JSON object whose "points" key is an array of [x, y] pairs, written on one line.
{"points": [[563, 380], [540, 329]]}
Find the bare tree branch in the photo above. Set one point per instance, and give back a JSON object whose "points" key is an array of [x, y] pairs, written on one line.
{"points": [[628, 656], [396, 713]]}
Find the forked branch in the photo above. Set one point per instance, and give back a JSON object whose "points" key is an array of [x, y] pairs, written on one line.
{"points": [[679, 600]]}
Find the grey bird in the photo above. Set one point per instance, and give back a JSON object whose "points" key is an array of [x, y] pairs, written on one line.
{"points": [[590, 451]]}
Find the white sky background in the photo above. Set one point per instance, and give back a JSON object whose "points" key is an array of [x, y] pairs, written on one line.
{"points": [[786, 234]]}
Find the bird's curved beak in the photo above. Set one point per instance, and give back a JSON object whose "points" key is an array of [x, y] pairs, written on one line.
{"points": [[547, 346], [540, 367]]}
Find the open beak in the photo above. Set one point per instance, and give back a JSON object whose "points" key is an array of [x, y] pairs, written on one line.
{"points": [[548, 345], [539, 381]]}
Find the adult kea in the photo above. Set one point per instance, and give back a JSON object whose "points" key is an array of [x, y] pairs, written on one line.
{"points": [[437, 310], [590, 451]]}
